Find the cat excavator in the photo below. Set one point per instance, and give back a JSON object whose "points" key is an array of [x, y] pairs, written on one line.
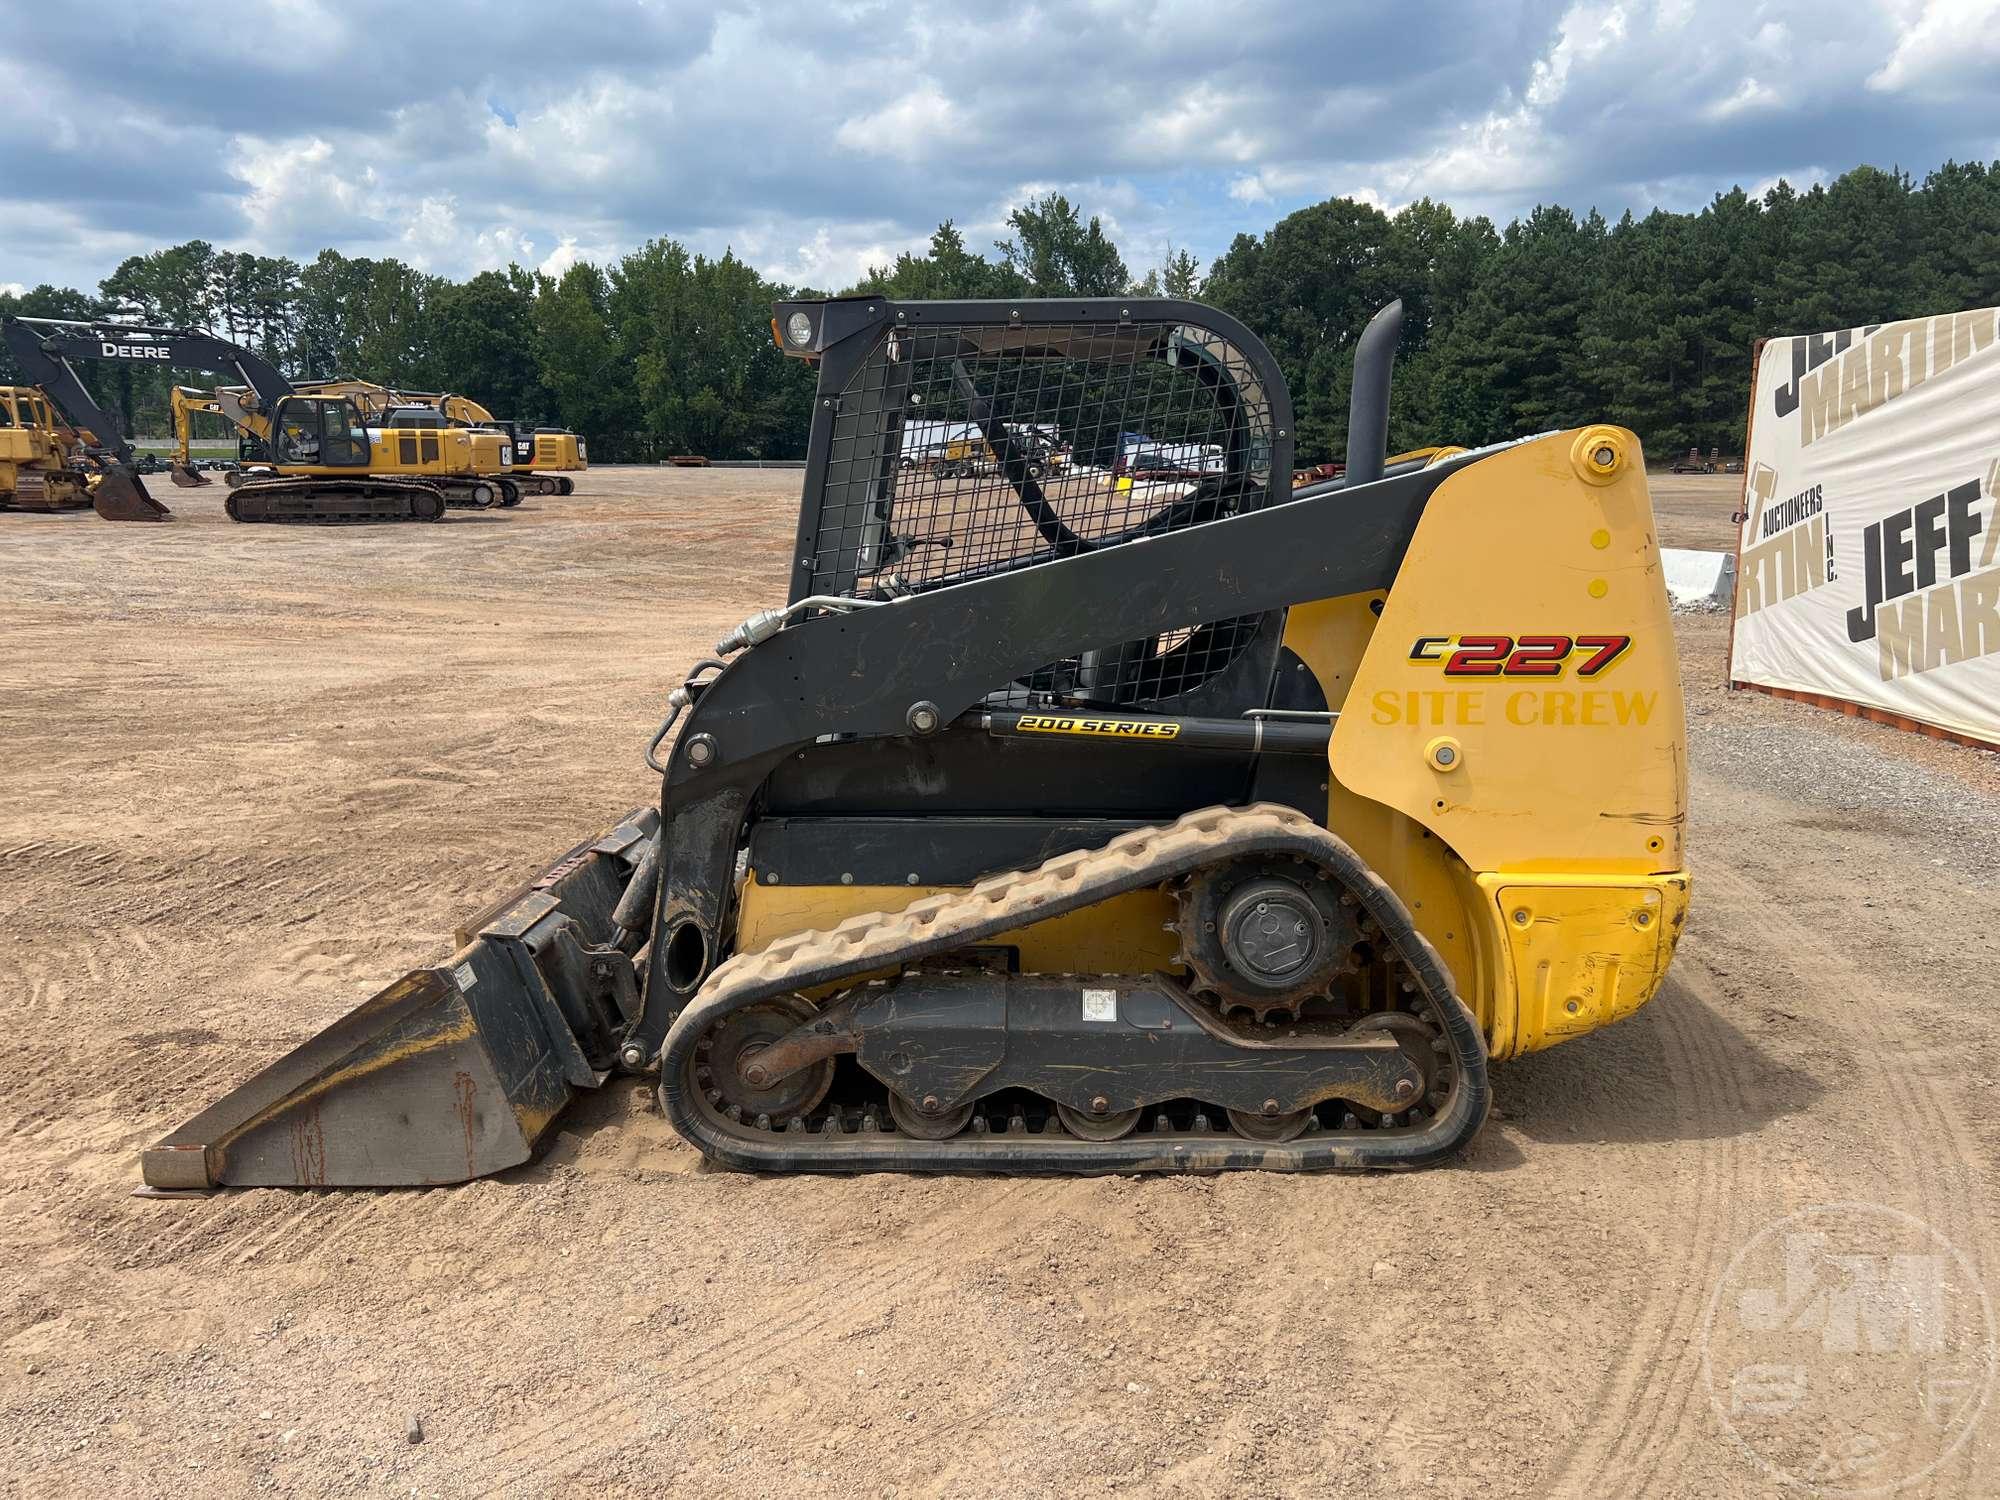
{"points": [[530, 448], [554, 449], [482, 452], [1187, 820], [469, 465]]}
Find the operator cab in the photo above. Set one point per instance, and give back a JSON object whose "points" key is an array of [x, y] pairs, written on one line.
{"points": [[320, 432]]}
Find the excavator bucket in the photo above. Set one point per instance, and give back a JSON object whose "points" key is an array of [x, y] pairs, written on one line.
{"points": [[450, 1073], [185, 476], [120, 495]]}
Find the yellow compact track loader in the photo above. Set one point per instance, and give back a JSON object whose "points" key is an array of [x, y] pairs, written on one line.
{"points": [[1091, 822]]}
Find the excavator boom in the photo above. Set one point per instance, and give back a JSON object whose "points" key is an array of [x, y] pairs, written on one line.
{"points": [[326, 466], [44, 348]]}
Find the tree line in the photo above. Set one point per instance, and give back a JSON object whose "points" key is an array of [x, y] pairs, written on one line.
{"points": [[1555, 320]]}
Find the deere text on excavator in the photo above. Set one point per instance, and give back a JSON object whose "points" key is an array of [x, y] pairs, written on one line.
{"points": [[1089, 822], [324, 463]]}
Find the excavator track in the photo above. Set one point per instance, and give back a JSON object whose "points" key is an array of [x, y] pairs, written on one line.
{"points": [[334, 502], [1179, 1138]]}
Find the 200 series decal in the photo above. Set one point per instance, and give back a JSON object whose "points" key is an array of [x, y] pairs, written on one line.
{"points": [[1141, 729], [1520, 656]]}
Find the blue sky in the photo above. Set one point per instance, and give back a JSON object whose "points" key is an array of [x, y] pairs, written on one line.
{"points": [[817, 136]]}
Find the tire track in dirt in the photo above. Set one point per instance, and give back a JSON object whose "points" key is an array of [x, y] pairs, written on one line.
{"points": [[563, 1442], [1655, 1454], [1621, 1436], [1942, 1185]]}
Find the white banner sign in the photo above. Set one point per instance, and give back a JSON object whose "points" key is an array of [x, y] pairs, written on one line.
{"points": [[1869, 563]]}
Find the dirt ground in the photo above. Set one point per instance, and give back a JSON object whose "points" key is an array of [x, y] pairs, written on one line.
{"points": [[252, 773]]}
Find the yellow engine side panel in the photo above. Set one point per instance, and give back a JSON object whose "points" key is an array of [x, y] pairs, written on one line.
{"points": [[417, 452], [1547, 803], [1526, 758], [558, 450], [491, 452]]}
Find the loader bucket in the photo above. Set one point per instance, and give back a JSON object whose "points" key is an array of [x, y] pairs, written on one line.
{"points": [[187, 477], [121, 496], [448, 1074]]}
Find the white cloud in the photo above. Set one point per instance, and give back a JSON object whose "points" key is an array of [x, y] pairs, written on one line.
{"points": [[1585, 34], [298, 185], [12, 289], [1800, 178], [1749, 95], [562, 257], [1250, 188], [829, 258], [1206, 123], [1950, 42], [909, 128], [817, 139]]}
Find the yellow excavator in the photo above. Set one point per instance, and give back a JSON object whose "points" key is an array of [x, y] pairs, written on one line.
{"points": [[322, 464], [467, 469], [534, 448], [500, 449], [544, 457], [477, 463], [185, 403], [493, 449]]}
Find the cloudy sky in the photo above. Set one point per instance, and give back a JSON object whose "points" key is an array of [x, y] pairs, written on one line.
{"points": [[817, 136]]}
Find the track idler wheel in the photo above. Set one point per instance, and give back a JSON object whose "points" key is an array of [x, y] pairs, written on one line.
{"points": [[722, 1057]]}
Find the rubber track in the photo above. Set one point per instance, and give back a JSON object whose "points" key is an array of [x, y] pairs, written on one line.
{"points": [[939, 924], [327, 493]]}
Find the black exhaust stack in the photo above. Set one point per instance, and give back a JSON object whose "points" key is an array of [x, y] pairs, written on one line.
{"points": [[1368, 404]]}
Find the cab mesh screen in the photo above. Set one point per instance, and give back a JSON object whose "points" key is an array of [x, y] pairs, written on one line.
{"points": [[957, 451]]}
